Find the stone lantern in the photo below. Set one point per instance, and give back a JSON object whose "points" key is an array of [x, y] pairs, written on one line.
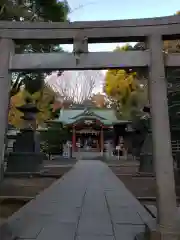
{"points": [[26, 155], [30, 111]]}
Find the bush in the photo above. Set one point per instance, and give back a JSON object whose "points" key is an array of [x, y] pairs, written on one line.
{"points": [[53, 138]]}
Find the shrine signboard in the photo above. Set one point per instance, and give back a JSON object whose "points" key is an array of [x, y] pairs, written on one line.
{"points": [[88, 131]]}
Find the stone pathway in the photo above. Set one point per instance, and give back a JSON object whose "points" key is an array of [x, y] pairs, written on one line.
{"points": [[87, 155], [88, 203]]}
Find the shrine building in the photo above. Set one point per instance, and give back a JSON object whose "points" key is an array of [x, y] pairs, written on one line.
{"points": [[90, 126]]}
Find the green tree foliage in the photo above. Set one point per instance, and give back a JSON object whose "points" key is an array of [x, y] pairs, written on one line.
{"points": [[55, 11], [173, 78], [53, 138], [33, 10]]}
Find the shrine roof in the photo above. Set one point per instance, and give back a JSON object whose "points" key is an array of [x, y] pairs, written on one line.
{"points": [[106, 116]]}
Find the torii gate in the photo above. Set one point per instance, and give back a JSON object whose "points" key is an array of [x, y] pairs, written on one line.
{"points": [[152, 31]]}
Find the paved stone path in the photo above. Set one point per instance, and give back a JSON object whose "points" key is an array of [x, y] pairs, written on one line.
{"points": [[87, 155], [88, 203]]}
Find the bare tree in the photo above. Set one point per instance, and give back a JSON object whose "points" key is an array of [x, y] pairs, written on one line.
{"points": [[76, 86]]}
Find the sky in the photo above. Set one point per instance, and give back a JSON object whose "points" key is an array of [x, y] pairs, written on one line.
{"points": [[92, 10]]}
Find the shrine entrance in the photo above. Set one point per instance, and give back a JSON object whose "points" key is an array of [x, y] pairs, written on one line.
{"points": [[89, 139], [151, 31], [89, 135], [89, 127]]}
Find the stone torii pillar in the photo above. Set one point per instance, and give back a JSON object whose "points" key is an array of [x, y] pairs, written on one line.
{"points": [[6, 50], [74, 138], [102, 140], [162, 154]]}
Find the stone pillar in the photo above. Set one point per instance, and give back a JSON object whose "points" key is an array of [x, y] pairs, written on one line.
{"points": [[102, 140], [162, 155], [98, 145], [6, 50], [74, 139]]}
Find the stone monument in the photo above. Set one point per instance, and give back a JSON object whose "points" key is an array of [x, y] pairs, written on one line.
{"points": [[67, 150], [108, 150], [146, 155], [142, 142]]}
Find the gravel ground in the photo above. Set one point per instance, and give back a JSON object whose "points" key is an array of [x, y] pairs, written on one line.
{"points": [[140, 186]]}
